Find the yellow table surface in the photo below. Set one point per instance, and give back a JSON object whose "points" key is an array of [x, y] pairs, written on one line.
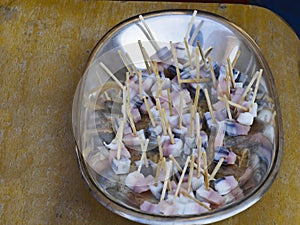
{"points": [[44, 47]]}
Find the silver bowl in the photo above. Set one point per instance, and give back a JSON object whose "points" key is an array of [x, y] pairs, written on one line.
{"points": [[225, 38]]}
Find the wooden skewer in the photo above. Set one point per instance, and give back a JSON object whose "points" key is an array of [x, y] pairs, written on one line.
{"points": [[153, 42], [107, 96], [158, 168], [212, 73], [163, 122], [168, 127], [144, 155], [195, 200], [122, 56], [256, 88], [131, 122], [228, 108], [216, 169], [196, 100], [144, 152], [124, 103], [163, 164], [237, 55], [140, 83], [206, 54], [197, 125], [206, 181], [149, 111], [199, 145], [127, 88], [202, 54], [175, 163], [169, 185], [111, 75], [159, 88], [120, 136], [161, 155], [248, 87], [191, 172], [248, 94], [208, 51], [158, 106], [148, 59], [180, 110], [167, 177], [228, 83], [201, 80], [144, 57], [173, 51], [209, 106], [155, 67], [243, 159], [181, 177], [166, 181], [188, 52], [236, 105], [197, 64], [191, 24], [140, 165], [196, 31], [192, 112], [132, 64], [170, 101], [231, 73]]}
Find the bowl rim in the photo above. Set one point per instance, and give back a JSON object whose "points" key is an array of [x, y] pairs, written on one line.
{"points": [[224, 212]]}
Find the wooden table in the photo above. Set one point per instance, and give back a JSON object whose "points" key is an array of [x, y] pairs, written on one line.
{"points": [[43, 51]]}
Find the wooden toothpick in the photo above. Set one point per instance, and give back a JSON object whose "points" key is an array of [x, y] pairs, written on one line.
{"points": [[147, 64], [170, 101], [199, 146], [167, 177], [153, 42], [191, 173], [197, 64], [196, 31], [209, 106], [181, 177], [175, 163], [120, 137], [161, 155], [111, 75], [188, 52], [216, 169], [231, 73], [235, 58], [256, 89], [132, 64], [131, 122], [202, 54], [149, 111], [227, 108], [122, 56], [140, 84], [212, 73], [196, 100], [248, 87], [173, 51], [191, 24], [206, 181]]}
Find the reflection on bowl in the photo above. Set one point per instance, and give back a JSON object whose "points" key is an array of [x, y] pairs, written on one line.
{"points": [[249, 162]]}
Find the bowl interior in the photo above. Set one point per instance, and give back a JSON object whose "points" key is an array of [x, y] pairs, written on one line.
{"points": [[226, 39]]}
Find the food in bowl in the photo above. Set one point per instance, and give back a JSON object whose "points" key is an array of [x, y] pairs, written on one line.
{"points": [[186, 135]]}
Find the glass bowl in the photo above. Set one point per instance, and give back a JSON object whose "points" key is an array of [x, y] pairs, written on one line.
{"points": [[91, 120]]}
